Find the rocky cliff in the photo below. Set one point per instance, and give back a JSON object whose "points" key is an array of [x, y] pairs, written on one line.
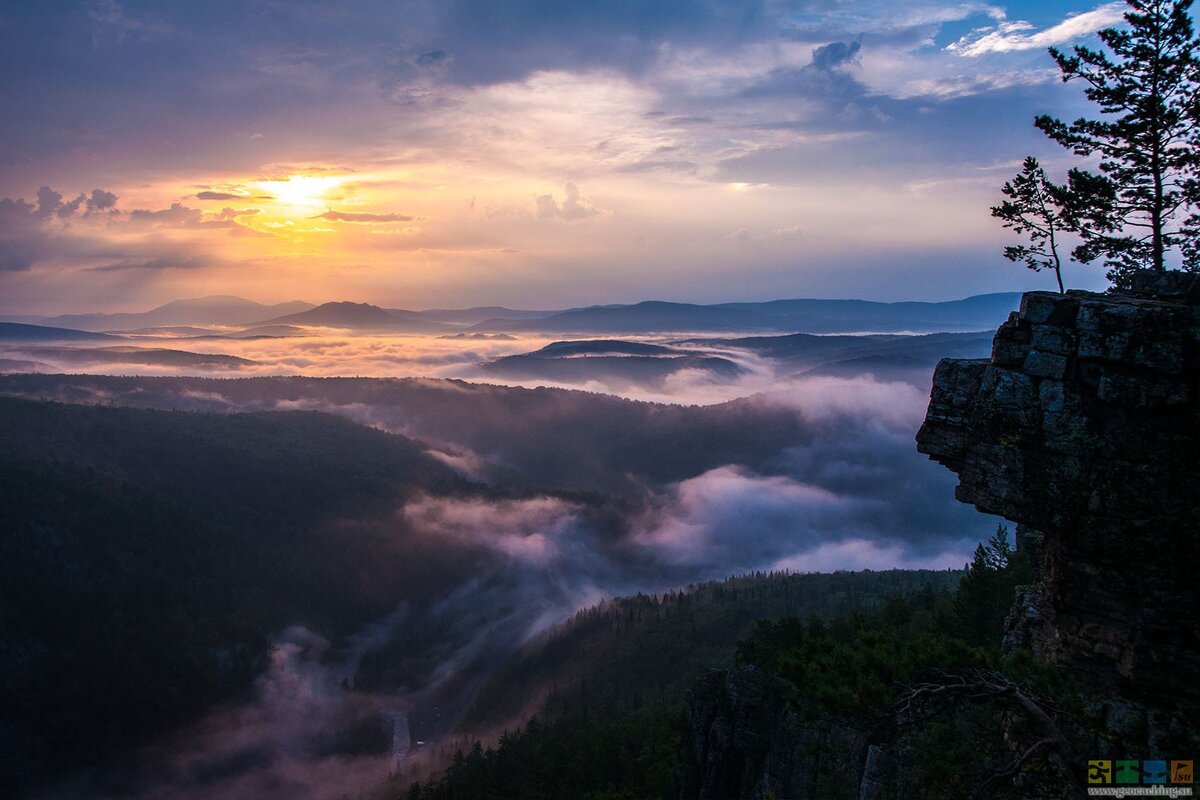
{"points": [[746, 741], [1084, 425]]}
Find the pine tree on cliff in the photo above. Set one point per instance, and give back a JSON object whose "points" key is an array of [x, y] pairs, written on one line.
{"points": [[1144, 200], [1035, 208]]}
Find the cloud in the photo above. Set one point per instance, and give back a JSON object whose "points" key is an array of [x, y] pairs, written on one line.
{"points": [[233, 213], [958, 86], [822, 475], [434, 58], [525, 530], [101, 200], [48, 201], [177, 214], [211, 195], [1020, 35], [51, 202], [91, 235], [349, 216], [20, 240], [733, 516], [835, 54], [184, 217], [281, 735], [739, 93], [573, 206], [861, 554], [657, 165], [111, 23], [175, 261], [32, 233]]}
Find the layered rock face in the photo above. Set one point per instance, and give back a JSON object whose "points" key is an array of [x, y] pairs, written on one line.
{"points": [[1084, 429], [1085, 425], [747, 742]]}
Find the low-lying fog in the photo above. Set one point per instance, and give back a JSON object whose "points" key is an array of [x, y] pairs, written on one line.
{"points": [[806, 472], [691, 368]]}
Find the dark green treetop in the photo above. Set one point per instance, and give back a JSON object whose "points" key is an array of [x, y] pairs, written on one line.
{"points": [[1142, 200]]}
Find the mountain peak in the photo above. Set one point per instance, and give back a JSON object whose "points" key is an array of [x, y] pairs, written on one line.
{"points": [[348, 314]]}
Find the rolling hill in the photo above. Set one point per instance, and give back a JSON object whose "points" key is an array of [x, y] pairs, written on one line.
{"points": [[213, 310], [806, 315], [361, 316], [20, 332], [147, 557]]}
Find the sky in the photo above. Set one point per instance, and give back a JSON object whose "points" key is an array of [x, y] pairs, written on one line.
{"points": [[534, 154]]}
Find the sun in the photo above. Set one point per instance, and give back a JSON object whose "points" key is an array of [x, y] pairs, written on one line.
{"points": [[303, 191]]}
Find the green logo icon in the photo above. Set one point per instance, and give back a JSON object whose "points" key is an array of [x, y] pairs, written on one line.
{"points": [[1129, 771]]}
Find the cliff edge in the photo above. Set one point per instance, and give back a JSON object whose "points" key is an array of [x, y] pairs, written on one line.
{"points": [[1085, 426]]}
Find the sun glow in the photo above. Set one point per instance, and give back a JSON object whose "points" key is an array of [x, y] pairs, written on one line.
{"points": [[303, 191]]}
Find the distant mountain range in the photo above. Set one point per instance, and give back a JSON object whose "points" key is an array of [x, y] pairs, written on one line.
{"points": [[214, 310], [363, 316], [803, 316], [143, 356], [21, 332], [474, 316], [652, 316], [609, 360], [804, 351], [890, 357]]}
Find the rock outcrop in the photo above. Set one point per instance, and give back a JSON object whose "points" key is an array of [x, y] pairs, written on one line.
{"points": [[746, 741], [1084, 425], [1083, 428]]}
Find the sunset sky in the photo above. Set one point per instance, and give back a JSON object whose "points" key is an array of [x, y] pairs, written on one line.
{"points": [[535, 154]]}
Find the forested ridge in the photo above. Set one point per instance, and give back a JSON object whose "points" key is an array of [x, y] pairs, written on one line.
{"points": [[645, 650], [847, 643], [146, 557]]}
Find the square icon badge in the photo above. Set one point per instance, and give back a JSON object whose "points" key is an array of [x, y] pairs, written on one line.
{"points": [[1154, 772], [1128, 771], [1100, 771]]}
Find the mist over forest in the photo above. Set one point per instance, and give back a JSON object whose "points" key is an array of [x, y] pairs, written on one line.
{"points": [[401, 539], [475, 400]]}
